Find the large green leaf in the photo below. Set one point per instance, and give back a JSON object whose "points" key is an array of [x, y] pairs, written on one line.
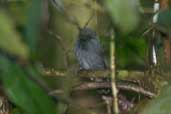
{"points": [[130, 52], [10, 40], [24, 92], [16, 111], [33, 23], [160, 105], [124, 13], [164, 21]]}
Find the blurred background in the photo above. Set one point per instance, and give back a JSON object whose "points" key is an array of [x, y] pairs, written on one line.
{"points": [[39, 35]]}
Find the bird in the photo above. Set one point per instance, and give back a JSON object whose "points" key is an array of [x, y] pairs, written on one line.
{"points": [[88, 50]]}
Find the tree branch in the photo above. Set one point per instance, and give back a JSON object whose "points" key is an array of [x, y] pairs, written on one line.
{"points": [[107, 85]]}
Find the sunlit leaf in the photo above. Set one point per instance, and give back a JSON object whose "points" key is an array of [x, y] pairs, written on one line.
{"points": [[10, 40]]}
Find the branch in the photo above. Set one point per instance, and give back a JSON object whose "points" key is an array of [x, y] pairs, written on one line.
{"points": [[80, 73], [107, 85], [123, 85]]}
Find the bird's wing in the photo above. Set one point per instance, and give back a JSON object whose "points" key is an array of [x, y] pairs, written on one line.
{"points": [[96, 47]]}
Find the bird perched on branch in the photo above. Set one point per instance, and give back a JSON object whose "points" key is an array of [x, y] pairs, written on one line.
{"points": [[88, 51]]}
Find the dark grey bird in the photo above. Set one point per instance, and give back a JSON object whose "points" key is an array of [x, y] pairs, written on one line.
{"points": [[88, 51]]}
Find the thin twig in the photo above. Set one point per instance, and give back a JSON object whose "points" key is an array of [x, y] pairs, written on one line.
{"points": [[89, 20], [81, 73], [113, 75], [93, 73], [148, 30]]}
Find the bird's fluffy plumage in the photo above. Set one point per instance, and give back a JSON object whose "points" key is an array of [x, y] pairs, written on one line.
{"points": [[88, 51]]}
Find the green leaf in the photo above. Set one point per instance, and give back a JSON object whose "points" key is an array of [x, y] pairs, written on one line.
{"points": [[16, 111], [10, 40], [24, 92], [129, 51], [18, 11], [124, 13], [160, 105], [164, 20], [33, 23]]}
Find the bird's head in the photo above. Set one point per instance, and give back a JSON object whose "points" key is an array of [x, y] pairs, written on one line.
{"points": [[86, 33]]}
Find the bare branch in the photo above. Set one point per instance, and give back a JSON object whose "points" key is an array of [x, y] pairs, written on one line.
{"points": [[107, 85]]}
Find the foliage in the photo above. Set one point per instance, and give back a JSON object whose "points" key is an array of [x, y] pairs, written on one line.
{"points": [[128, 52], [164, 20], [21, 36], [33, 24], [124, 13], [24, 93], [10, 40], [161, 104]]}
